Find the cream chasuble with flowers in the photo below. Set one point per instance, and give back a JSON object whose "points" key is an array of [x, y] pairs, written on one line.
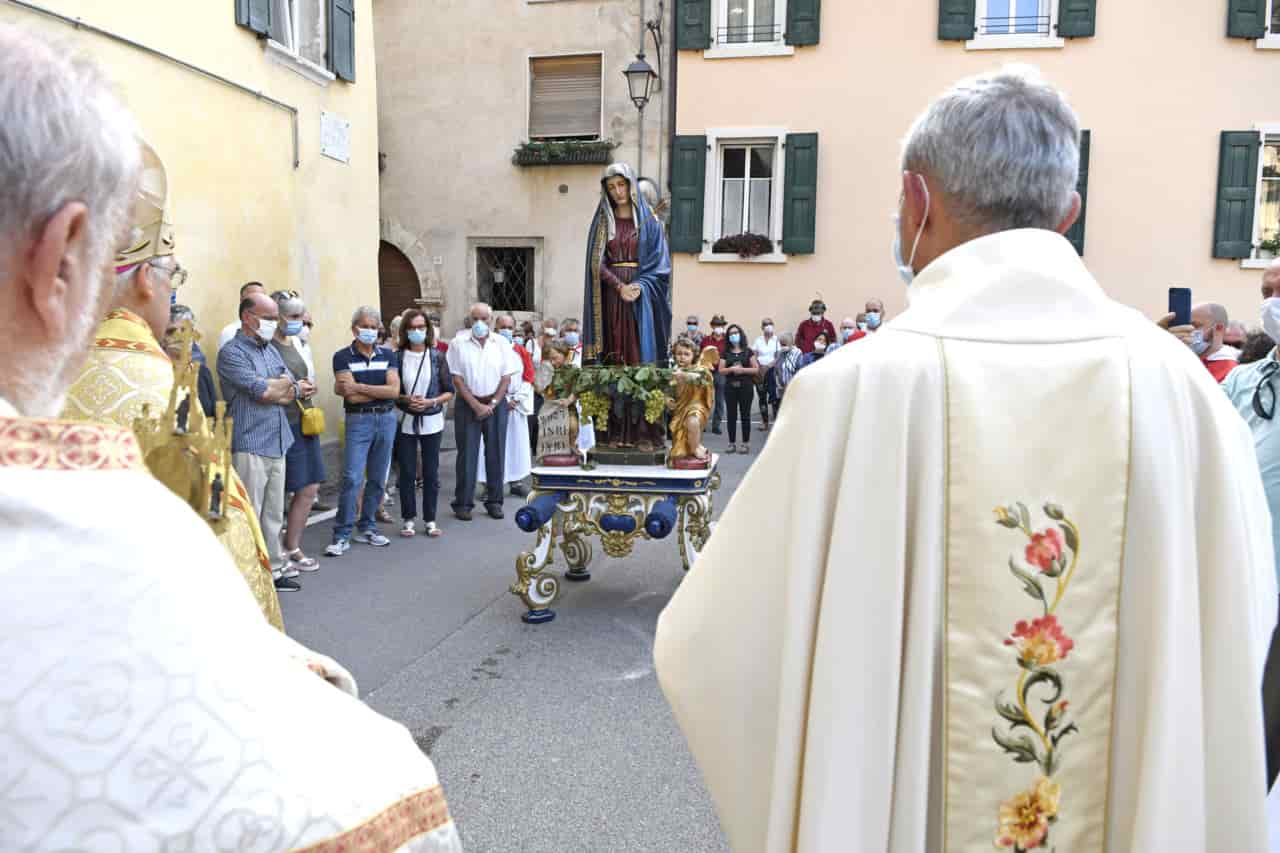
{"points": [[1001, 580]]}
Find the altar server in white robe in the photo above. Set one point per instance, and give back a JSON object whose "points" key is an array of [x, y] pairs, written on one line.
{"points": [[148, 705], [972, 594]]}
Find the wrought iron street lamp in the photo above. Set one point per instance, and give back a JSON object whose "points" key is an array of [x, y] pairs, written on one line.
{"points": [[640, 78]]}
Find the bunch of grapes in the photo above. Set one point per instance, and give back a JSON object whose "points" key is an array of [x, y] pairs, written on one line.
{"points": [[655, 403], [596, 407]]}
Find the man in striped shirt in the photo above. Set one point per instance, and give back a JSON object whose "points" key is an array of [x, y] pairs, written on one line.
{"points": [[257, 386]]}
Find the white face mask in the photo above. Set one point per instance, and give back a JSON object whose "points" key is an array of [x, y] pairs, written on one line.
{"points": [[905, 268], [1271, 318], [305, 334], [817, 318], [267, 329], [768, 330]]}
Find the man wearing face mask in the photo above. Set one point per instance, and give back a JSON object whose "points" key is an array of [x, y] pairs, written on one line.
{"points": [[814, 326], [717, 339], [517, 457], [1252, 388], [1204, 336], [693, 331], [874, 314], [258, 386], [999, 458], [572, 339], [849, 332]]}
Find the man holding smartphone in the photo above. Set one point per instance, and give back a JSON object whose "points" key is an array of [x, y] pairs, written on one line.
{"points": [[1205, 335]]}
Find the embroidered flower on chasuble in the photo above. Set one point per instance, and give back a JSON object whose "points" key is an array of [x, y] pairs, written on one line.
{"points": [[1024, 819], [1053, 553]]}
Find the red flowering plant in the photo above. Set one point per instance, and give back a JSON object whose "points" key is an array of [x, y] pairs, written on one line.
{"points": [[1039, 643]]}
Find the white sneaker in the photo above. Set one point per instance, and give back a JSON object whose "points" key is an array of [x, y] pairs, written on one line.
{"points": [[337, 548], [372, 537], [407, 529]]}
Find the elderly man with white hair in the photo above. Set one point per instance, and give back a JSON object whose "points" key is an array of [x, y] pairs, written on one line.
{"points": [[146, 699], [995, 610]]}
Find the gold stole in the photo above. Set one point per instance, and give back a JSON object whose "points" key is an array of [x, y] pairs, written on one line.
{"points": [[1041, 435]]}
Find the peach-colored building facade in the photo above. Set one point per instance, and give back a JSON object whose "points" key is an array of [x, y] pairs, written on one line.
{"points": [[1156, 88]]}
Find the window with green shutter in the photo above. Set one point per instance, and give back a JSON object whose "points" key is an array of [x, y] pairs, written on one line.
{"points": [[255, 15], [800, 195], [693, 24], [803, 21], [956, 20], [342, 39], [1075, 235], [1246, 19], [688, 187], [1077, 18], [1237, 193]]}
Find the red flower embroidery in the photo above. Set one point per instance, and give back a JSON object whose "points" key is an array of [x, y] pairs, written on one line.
{"points": [[1045, 549], [1041, 641]]}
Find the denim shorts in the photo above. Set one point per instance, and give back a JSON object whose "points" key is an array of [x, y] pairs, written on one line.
{"points": [[303, 463]]}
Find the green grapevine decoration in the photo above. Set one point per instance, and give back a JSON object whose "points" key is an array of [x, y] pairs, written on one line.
{"points": [[596, 386]]}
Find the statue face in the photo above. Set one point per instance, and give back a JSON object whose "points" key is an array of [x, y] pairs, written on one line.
{"points": [[684, 356], [619, 190]]}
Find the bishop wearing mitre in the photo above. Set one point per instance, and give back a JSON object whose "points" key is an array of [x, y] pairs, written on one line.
{"points": [[973, 595], [146, 703]]}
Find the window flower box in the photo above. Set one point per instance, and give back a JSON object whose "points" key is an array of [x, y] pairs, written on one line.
{"points": [[567, 153]]}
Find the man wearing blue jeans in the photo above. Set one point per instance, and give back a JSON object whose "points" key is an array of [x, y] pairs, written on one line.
{"points": [[367, 378]]}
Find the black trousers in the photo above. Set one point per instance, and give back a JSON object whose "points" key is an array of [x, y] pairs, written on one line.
{"points": [[768, 393], [1271, 708], [738, 399], [407, 448], [467, 431]]}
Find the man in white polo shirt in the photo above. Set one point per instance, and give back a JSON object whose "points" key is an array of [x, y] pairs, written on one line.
{"points": [[482, 365]]}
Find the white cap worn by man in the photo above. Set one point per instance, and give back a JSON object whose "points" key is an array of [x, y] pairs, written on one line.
{"points": [[146, 700], [1010, 624]]}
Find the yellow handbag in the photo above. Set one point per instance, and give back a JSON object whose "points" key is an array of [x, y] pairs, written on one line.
{"points": [[312, 419]]}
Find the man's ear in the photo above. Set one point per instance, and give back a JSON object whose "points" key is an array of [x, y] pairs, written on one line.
{"points": [[55, 262], [1073, 213]]}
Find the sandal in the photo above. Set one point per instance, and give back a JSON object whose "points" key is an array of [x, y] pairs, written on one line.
{"points": [[433, 531], [301, 562]]}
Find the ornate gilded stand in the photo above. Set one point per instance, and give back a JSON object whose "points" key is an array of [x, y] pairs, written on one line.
{"points": [[618, 503]]}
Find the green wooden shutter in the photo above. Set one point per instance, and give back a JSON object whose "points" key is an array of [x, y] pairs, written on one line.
{"points": [[342, 39], [956, 20], [803, 21], [1237, 189], [254, 14], [688, 188], [1077, 18], [1076, 233], [1246, 19], [800, 197], [693, 24]]}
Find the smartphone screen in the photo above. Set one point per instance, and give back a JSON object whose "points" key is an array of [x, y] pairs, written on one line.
{"points": [[1180, 305]]}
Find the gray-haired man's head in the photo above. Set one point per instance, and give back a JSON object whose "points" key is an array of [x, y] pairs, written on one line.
{"points": [[994, 152], [69, 164]]}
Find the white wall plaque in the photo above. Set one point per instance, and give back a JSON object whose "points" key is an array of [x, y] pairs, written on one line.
{"points": [[335, 137]]}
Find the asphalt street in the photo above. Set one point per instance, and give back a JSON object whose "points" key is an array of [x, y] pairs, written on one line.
{"points": [[552, 738]]}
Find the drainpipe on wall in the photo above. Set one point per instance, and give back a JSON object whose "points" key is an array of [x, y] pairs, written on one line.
{"points": [[669, 93]]}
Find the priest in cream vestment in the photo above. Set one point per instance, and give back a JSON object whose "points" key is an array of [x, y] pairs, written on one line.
{"points": [[128, 371], [975, 594], [146, 705]]}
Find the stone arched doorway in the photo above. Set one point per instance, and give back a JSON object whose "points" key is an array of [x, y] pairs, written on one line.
{"points": [[398, 285]]}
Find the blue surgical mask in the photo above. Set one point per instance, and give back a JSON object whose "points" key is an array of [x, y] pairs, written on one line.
{"points": [[293, 328], [518, 340], [1197, 343], [692, 327], [571, 338], [417, 336], [506, 333], [734, 338], [905, 268], [873, 319], [368, 337], [480, 329]]}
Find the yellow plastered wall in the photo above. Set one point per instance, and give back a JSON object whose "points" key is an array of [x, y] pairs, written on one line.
{"points": [[242, 211], [1155, 86]]}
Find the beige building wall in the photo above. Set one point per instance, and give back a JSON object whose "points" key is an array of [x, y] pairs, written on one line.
{"points": [[242, 211], [1155, 87], [453, 105]]}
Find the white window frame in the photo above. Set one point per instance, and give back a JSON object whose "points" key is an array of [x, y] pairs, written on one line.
{"points": [[717, 138], [528, 85], [719, 18], [288, 55], [1271, 40], [1253, 262], [1015, 41]]}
